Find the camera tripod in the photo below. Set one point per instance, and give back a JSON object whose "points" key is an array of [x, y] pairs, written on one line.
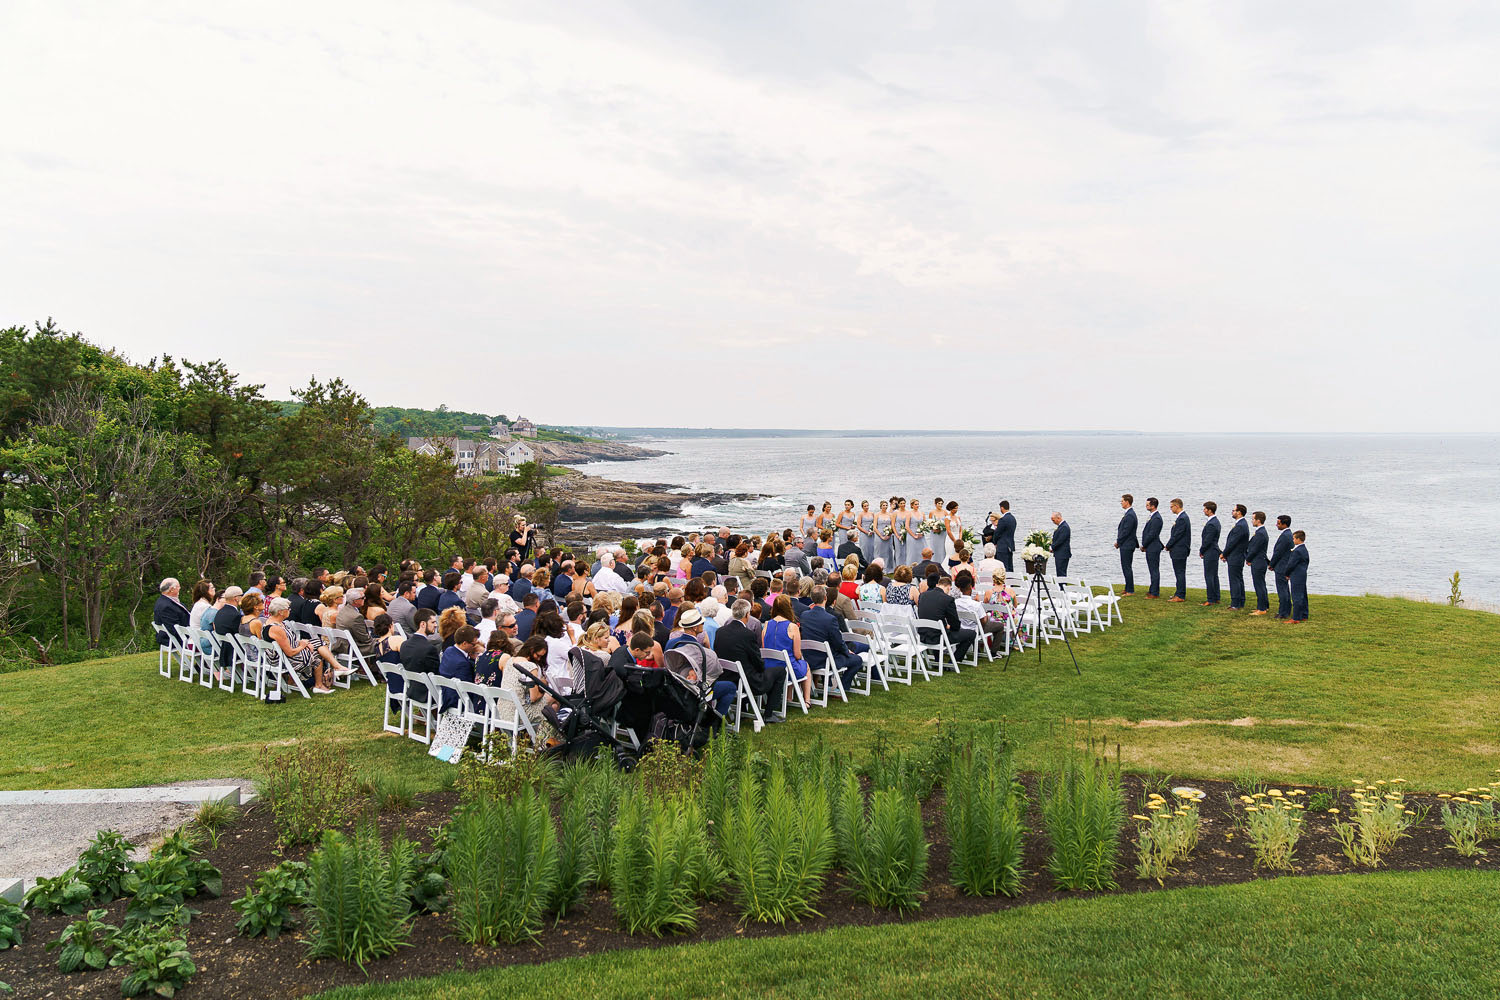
{"points": [[1038, 585]]}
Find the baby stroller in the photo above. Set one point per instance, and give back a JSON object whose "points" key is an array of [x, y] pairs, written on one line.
{"points": [[580, 716], [687, 716]]}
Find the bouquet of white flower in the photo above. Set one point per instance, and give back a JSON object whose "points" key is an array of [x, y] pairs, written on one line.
{"points": [[932, 526], [970, 538], [1039, 539], [1034, 552]]}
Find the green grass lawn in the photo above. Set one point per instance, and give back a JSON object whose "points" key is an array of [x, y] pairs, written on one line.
{"points": [[1371, 687], [1428, 934]]}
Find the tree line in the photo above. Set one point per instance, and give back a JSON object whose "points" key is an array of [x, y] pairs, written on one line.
{"points": [[114, 474]]}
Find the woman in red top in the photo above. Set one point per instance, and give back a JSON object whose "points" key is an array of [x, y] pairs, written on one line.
{"points": [[850, 585]]}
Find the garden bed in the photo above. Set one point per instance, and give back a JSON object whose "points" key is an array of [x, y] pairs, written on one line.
{"points": [[233, 966]]}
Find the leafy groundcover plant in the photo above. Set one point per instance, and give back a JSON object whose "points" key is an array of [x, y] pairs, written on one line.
{"points": [[883, 848], [502, 862], [266, 907], [1166, 832], [1084, 810], [1273, 822], [1381, 817], [86, 943], [359, 899], [984, 815], [13, 923], [310, 788], [157, 958]]}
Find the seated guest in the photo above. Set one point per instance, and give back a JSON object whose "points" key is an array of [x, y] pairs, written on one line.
{"points": [[702, 561], [227, 622], [203, 599], [999, 591], [715, 616], [430, 591], [307, 614], [251, 606], [457, 661], [607, 580], [691, 645], [825, 550], [985, 567], [838, 602], [872, 591], [311, 660], [351, 618], [256, 580], [850, 547], [900, 590], [738, 647], [781, 633], [387, 646], [993, 627], [739, 565], [296, 598], [374, 601], [401, 607], [501, 592], [926, 566], [449, 597], [489, 621], [935, 604], [169, 612], [849, 585], [419, 653], [479, 591], [526, 617], [820, 624], [448, 624], [329, 603]]}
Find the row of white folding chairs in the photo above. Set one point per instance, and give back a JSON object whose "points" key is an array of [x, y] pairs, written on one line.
{"points": [[252, 662], [491, 708]]}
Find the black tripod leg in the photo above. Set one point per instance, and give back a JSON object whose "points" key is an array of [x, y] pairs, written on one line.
{"points": [[1006, 664], [1048, 591]]}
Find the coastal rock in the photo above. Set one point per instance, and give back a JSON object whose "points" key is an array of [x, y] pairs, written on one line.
{"points": [[575, 452], [591, 499]]}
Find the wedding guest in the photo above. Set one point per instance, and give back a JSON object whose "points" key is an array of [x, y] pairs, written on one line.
{"points": [[1296, 574], [936, 604], [872, 589], [1179, 546], [1234, 557], [1062, 543], [1278, 560], [313, 662], [1255, 555], [1151, 545], [825, 546], [1208, 551], [985, 567], [736, 643], [1125, 541], [1005, 539], [900, 590], [203, 599], [169, 611], [850, 547], [820, 624], [374, 601], [429, 591], [781, 633]]}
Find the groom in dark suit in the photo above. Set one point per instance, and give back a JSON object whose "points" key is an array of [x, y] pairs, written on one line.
{"points": [[1151, 545], [1179, 547], [1208, 551], [1278, 560], [1234, 557], [1005, 536], [1125, 541], [1062, 543], [1255, 555]]}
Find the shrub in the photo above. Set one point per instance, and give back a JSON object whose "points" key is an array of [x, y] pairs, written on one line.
{"points": [[884, 850], [660, 857], [395, 792], [502, 862], [496, 773], [598, 786], [266, 907], [358, 902], [777, 846], [1084, 811], [214, 815], [664, 771], [1381, 817], [13, 921], [723, 762], [85, 943], [159, 886], [310, 788], [1165, 833], [1273, 822], [985, 809], [158, 960], [64, 894], [104, 864]]}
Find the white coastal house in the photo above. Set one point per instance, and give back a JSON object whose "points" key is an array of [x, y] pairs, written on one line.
{"points": [[518, 454], [470, 457]]}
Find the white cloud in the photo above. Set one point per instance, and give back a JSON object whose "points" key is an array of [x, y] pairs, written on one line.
{"points": [[1199, 217]]}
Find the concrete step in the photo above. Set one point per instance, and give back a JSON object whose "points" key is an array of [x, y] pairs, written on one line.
{"points": [[101, 796]]}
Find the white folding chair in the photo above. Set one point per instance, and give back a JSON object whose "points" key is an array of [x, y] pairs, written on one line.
{"points": [[828, 674], [274, 663], [507, 716], [421, 705], [165, 653], [189, 642], [874, 670], [743, 696], [793, 684], [1108, 602], [970, 620], [396, 699], [941, 648], [903, 644]]}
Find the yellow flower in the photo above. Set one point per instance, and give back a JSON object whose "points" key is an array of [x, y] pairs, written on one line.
{"points": [[1145, 818], [1444, 795], [1381, 782], [1275, 793], [1398, 781], [1246, 798], [1335, 812], [1408, 812]]}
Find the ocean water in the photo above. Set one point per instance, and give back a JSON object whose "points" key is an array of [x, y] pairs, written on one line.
{"points": [[1387, 514]]}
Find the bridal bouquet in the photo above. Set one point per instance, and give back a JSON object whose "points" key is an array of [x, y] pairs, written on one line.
{"points": [[970, 538], [1041, 540], [932, 526]]}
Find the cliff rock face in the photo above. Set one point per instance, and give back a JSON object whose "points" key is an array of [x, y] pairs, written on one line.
{"points": [[572, 453], [589, 498]]}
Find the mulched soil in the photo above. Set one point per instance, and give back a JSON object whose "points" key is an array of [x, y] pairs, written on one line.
{"points": [[230, 966]]}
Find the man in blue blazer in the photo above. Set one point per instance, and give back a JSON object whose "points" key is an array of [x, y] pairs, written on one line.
{"points": [[1151, 545], [1234, 557], [1125, 541], [1255, 555], [1005, 536], [1062, 543], [1208, 551], [1179, 547], [1278, 560], [819, 624], [1296, 575]]}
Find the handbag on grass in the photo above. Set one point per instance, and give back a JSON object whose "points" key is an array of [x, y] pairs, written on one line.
{"points": [[452, 735]]}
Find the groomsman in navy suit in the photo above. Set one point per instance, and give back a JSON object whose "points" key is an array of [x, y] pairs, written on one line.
{"points": [[1151, 545], [1179, 546], [1062, 547], [1256, 557], [1296, 575], [1005, 537], [1234, 556], [1278, 562], [1208, 551], [1125, 541]]}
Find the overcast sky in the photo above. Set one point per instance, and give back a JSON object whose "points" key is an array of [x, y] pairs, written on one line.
{"points": [[1039, 214]]}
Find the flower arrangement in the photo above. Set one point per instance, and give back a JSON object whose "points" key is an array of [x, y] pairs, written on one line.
{"points": [[970, 539], [932, 525], [1040, 540], [1034, 552]]}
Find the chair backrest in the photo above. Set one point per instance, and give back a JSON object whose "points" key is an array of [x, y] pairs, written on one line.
{"points": [[821, 648], [776, 654], [186, 637], [391, 670]]}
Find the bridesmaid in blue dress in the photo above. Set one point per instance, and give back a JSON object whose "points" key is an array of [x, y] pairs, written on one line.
{"points": [[885, 551], [824, 521], [914, 537], [846, 523], [866, 532], [898, 534], [807, 527]]}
